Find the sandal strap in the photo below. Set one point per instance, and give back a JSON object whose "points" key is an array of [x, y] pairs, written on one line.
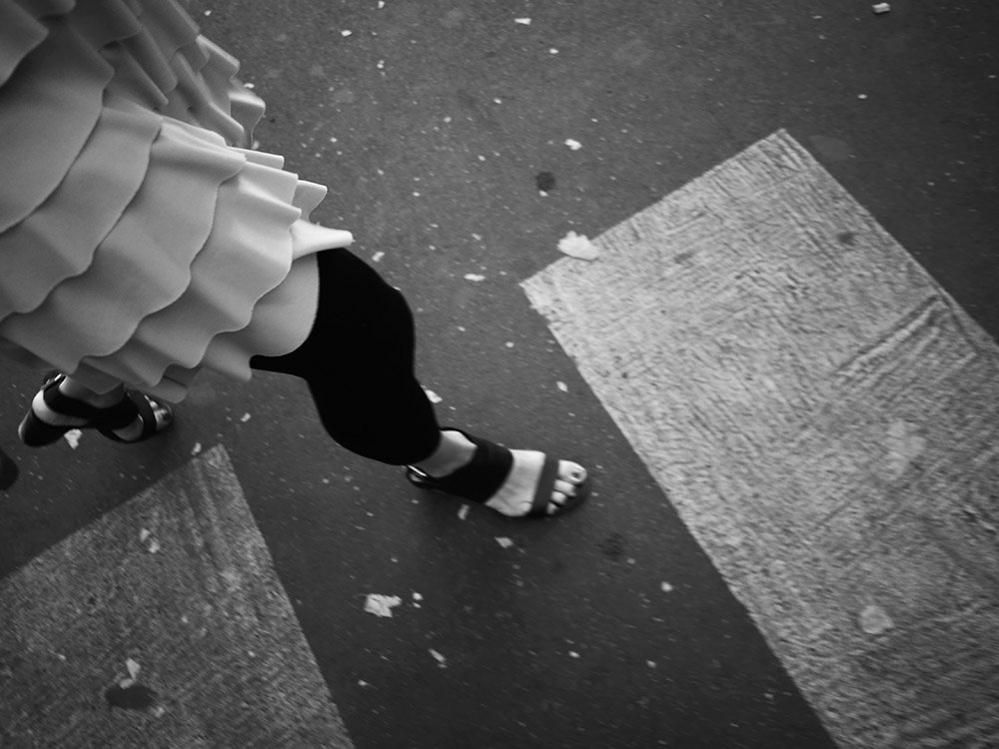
{"points": [[118, 416], [135, 405], [543, 490], [481, 478], [62, 404]]}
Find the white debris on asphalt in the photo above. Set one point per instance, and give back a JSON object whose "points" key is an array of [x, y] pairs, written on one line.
{"points": [[462, 512], [503, 541], [381, 605], [524, 21], [575, 145], [346, 33], [196, 449], [245, 418], [874, 620], [881, 7], [441, 660], [578, 246], [562, 386], [474, 277], [666, 587], [133, 667], [432, 396], [73, 437], [573, 654], [377, 257], [417, 596]]}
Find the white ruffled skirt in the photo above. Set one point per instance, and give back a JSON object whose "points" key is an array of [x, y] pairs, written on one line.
{"points": [[138, 241]]}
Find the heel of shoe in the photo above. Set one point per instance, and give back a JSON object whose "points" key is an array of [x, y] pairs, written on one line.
{"points": [[36, 433]]}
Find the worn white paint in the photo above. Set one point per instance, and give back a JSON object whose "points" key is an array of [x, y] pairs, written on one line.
{"points": [[206, 617], [826, 421]]}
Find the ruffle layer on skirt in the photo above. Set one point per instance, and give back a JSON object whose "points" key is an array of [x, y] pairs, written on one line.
{"points": [[138, 242]]}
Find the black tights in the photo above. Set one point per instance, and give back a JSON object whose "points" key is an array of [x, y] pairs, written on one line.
{"points": [[359, 364]]}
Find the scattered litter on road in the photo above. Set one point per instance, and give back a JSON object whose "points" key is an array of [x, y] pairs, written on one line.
{"points": [[441, 660], [503, 541], [474, 277], [578, 246], [523, 21], [380, 605], [881, 8], [362, 683], [345, 33], [196, 449], [562, 386], [573, 654], [432, 396], [73, 437], [377, 257], [650, 664], [874, 620], [553, 51], [245, 418], [147, 538], [575, 145], [133, 668], [666, 588], [462, 512]]}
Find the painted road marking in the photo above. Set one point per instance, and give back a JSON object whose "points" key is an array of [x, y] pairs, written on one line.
{"points": [[825, 419], [169, 608]]}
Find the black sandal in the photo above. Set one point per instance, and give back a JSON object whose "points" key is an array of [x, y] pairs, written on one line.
{"points": [[155, 416], [483, 476]]}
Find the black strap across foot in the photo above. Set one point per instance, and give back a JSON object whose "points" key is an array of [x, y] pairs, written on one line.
{"points": [[488, 469], [36, 433]]}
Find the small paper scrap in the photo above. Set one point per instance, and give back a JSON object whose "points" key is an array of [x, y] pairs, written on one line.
{"points": [[562, 386], [380, 605], [245, 418], [196, 449], [474, 277], [881, 7], [432, 396], [73, 437], [666, 588], [462, 512], [874, 620], [523, 21], [441, 660], [133, 669], [573, 144], [505, 542], [578, 246]]}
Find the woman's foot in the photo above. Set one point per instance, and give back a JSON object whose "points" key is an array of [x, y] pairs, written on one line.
{"points": [[516, 483], [62, 405]]}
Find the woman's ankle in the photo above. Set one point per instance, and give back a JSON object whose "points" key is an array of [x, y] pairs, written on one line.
{"points": [[453, 452], [73, 389]]}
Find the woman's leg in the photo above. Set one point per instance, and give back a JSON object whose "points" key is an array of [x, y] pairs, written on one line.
{"points": [[359, 364]]}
